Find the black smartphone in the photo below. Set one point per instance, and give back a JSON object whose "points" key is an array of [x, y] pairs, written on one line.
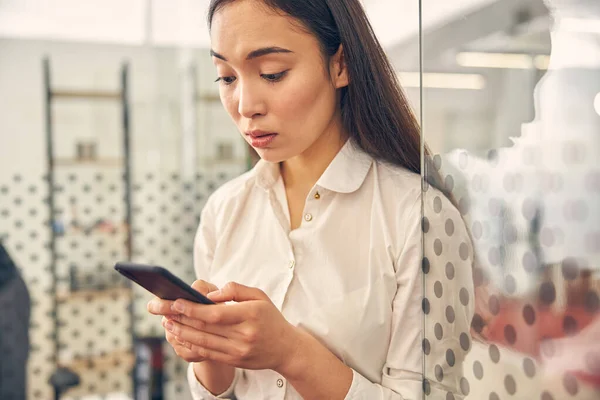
{"points": [[160, 282]]}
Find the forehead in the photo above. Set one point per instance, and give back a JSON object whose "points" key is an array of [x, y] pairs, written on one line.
{"points": [[245, 25]]}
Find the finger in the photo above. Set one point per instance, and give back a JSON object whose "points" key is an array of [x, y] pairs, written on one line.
{"points": [[158, 306], [204, 287], [213, 355], [213, 314], [203, 340], [201, 325], [193, 353], [175, 341], [236, 292], [183, 350]]}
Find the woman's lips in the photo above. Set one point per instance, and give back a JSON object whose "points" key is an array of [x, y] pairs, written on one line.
{"points": [[261, 141]]}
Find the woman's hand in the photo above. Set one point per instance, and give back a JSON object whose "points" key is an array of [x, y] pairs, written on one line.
{"points": [[165, 308], [250, 333]]}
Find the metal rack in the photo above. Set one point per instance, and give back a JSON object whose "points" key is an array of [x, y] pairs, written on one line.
{"points": [[53, 95]]}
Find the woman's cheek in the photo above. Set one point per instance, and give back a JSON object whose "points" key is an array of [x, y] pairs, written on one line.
{"points": [[300, 99], [229, 103]]}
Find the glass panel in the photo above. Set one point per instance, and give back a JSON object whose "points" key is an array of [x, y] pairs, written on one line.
{"points": [[511, 112]]}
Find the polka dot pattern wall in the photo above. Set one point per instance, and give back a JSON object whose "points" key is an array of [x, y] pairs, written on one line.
{"points": [[94, 334]]}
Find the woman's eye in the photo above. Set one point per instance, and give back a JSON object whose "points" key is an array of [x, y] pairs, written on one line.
{"points": [[274, 77], [227, 80]]}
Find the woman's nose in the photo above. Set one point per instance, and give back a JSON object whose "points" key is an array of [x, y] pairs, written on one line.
{"points": [[250, 101]]}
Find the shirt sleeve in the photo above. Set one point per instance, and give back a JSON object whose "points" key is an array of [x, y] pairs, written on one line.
{"points": [[432, 309], [199, 392], [204, 247]]}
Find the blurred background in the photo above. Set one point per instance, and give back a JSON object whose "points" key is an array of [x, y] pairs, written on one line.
{"points": [[112, 136]]}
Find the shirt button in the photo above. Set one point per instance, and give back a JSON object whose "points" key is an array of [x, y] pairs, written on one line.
{"points": [[317, 196], [308, 217], [279, 383], [292, 264]]}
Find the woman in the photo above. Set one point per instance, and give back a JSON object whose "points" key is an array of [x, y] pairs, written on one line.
{"points": [[323, 237]]}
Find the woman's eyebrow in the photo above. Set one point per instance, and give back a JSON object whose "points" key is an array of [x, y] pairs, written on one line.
{"points": [[255, 53]]}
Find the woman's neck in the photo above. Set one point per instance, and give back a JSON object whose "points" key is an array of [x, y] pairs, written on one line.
{"points": [[303, 171]]}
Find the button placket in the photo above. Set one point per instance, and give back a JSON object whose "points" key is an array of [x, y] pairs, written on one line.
{"points": [[308, 217]]}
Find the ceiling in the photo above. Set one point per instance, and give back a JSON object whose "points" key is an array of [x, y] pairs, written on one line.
{"points": [[502, 26], [182, 22]]}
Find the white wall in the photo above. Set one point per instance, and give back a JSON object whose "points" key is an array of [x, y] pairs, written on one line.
{"points": [[155, 97]]}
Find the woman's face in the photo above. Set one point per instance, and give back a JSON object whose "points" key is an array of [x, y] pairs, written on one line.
{"points": [[273, 82]]}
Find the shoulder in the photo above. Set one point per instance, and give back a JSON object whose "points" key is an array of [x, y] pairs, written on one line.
{"points": [[390, 173], [229, 193], [400, 189], [233, 187], [414, 200], [398, 181]]}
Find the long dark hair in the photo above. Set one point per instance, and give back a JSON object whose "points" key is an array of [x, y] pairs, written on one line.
{"points": [[375, 111]]}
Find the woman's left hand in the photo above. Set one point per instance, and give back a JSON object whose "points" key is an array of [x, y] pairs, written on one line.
{"points": [[252, 332]]}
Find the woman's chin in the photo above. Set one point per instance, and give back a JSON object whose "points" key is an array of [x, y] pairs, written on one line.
{"points": [[271, 155]]}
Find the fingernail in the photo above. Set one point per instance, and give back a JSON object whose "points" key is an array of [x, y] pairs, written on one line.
{"points": [[169, 325], [215, 293], [151, 305], [177, 306]]}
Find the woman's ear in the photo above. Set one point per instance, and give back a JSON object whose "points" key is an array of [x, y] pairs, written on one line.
{"points": [[339, 69]]}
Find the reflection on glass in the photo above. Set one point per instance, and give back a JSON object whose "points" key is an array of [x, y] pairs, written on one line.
{"points": [[534, 211]]}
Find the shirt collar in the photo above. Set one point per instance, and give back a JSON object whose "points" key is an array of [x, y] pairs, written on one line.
{"points": [[345, 174]]}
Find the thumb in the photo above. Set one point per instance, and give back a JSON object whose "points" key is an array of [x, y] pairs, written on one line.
{"points": [[236, 292], [203, 286]]}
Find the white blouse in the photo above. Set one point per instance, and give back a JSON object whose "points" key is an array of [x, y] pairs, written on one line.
{"points": [[352, 275]]}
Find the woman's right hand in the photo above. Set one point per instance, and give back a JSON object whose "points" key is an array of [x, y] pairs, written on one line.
{"points": [[214, 376], [164, 307]]}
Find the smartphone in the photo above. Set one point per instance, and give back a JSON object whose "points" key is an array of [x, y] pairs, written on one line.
{"points": [[160, 282]]}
